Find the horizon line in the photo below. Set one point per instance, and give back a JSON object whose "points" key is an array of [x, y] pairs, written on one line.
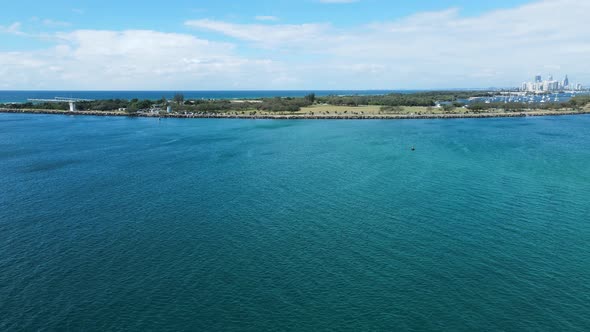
{"points": [[247, 90]]}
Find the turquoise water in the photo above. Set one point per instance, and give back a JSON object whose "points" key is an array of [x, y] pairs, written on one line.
{"points": [[204, 224]]}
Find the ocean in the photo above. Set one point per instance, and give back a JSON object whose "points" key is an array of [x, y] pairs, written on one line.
{"points": [[114, 223]]}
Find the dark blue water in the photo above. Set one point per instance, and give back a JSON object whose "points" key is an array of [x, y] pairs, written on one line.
{"points": [[203, 225], [22, 96]]}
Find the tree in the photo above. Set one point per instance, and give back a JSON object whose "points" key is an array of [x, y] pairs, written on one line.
{"points": [[179, 98], [448, 107], [132, 109], [144, 104], [310, 98]]}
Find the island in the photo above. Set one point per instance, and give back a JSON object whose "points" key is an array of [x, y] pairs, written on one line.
{"points": [[416, 105]]}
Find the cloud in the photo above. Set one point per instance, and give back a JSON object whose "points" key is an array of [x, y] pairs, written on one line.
{"points": [[142, 59], [266, 18], [434, 49], [12, 29], [437, 49], [263, 34], [50, 23], [54, 23]]}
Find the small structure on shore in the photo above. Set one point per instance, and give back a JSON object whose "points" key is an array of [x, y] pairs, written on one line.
{"points": [[71, 101]]}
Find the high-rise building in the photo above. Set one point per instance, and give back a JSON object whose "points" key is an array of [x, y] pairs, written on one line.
{"points": [[549, 85]]}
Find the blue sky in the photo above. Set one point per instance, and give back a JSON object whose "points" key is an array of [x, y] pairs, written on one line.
{"points": [[170, 15], [280, 44]]}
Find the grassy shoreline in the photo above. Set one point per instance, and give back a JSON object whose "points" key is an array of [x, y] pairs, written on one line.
{"points": [[344, 113]]}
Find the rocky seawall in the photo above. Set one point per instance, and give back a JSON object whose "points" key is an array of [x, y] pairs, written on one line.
{"points": [[307, 116]]}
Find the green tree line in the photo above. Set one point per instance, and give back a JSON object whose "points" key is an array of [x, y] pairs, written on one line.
{"points": [[389, 102]]}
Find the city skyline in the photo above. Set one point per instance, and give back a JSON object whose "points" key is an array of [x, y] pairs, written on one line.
{"points": [[550, 84], [290, 45]]}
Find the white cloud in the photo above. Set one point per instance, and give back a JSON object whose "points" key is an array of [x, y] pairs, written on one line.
{"points": [[436, 49], [440, 49], [138, 59], [55, 23], [12, 29], [263, 34], [266, 18], [50, 23]]}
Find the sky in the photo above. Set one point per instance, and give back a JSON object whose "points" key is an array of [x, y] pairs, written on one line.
{"points": [[290, 44]]}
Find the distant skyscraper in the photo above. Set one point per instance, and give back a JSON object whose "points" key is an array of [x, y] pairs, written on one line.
{"points": [[549, 85]]}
